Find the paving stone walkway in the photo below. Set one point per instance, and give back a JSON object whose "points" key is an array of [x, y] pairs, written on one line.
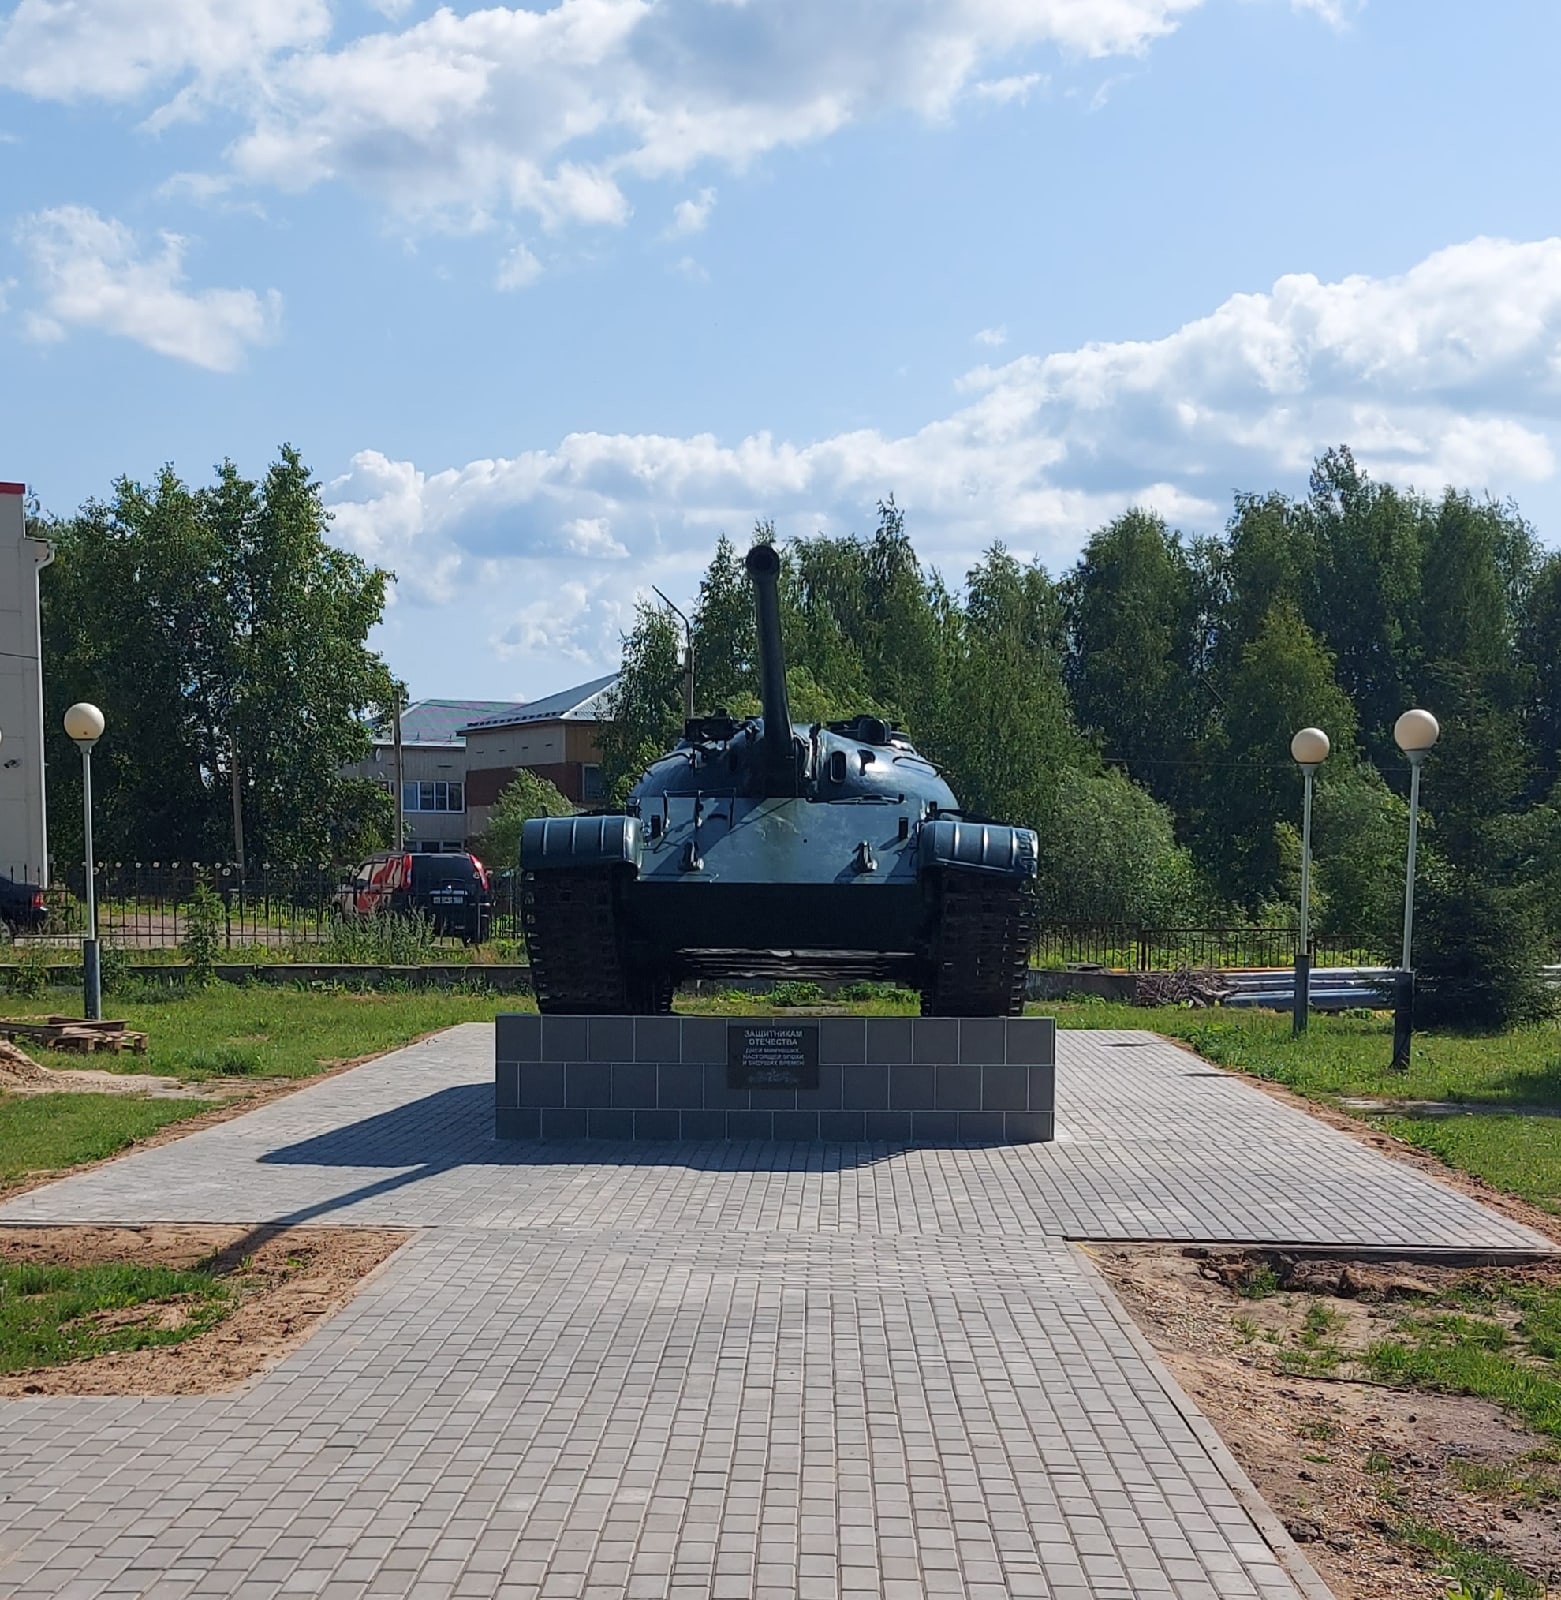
{"points": [[745, 1371]]}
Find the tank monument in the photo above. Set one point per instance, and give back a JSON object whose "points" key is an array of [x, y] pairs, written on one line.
{"points": [[759, 848]]}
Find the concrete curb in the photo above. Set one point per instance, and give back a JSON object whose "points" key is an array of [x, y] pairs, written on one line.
{"points": [[1286, 1551]]}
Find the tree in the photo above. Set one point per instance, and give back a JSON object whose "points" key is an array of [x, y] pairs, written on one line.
{"points": [[225, 640], [525, 796], [1359, 828], [1003, 728], [1131, 648], [645, 711], [1108, 854], [1540, 650], [1283, 681], [1367, 548]]}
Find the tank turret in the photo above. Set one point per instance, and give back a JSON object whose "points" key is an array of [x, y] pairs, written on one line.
{"points": [[758, 848]]}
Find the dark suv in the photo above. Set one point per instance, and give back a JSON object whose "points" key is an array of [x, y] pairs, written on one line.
{"points": [[451, 889], [22, 908]]}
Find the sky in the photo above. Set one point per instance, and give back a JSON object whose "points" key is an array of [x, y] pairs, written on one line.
{"points": [[551, 296]]}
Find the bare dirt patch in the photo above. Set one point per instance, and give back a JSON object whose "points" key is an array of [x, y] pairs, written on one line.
{"points": [[284, 1281], [1347, 1465]]}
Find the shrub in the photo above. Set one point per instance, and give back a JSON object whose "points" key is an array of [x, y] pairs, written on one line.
{"points": [[1478, 949], [390, 939], [796, 992], [29, 978], [202, 941], [114, 968]]}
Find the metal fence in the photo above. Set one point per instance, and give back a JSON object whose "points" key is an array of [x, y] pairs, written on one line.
{"points": [[146, 906], [1135, 948]]}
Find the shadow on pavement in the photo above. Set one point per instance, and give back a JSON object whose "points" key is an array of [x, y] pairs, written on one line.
{"points": [[453, 1128]]}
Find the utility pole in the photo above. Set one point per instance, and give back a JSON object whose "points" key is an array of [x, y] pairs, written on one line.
{"points": [[395, 733], [688, 654]]}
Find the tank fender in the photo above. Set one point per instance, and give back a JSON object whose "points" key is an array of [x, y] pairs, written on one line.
{"points": [[552, 843], [990, 847]]}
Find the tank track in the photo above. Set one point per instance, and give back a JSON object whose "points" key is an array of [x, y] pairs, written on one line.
{"points": [[983, 950], [572, 935]]}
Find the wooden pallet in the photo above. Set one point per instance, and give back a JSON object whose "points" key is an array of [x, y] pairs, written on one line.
{"points": [[74, 1035]]}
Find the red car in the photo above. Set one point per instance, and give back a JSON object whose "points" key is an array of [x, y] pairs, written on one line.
{"points": [[451, 889]]}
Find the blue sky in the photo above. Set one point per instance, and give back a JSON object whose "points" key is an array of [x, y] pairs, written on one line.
{"points": [[550, 296]]}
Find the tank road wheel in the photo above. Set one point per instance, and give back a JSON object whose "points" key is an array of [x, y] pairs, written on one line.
{"points": [[983, 948], [571, 923]]}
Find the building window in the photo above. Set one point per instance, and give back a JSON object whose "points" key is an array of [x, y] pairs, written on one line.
{"points": [[437, 796], [590, 783]]}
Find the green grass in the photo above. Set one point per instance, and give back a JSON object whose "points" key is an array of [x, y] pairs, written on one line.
{"points": [[52, 1315], [1497, 1341], [1476, 1571], [44, 1132], [1351, 1055], [254, 1031], [1530, 1482], [1519, 1154]]}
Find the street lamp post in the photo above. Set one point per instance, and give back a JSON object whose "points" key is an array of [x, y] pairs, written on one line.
{"points": [[1414, 733], [1310, 749], [84, 723]]}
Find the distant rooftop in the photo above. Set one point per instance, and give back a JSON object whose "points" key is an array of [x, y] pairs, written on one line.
{"points": [[583, 703], [441, 721]]}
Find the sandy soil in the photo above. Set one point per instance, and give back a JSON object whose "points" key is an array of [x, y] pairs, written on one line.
{"points": [[286, 1281], [1340, 1462]]}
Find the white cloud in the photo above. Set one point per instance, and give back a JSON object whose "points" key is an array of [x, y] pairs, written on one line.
{"points": [[991, 337], [518, 270], [690, 216], [1450, 372], [120, 49], [688, 267], [89, 272], [457, 117], [1002, 90]]}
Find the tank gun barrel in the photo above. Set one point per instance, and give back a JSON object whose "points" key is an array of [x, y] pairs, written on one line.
{"points": [[763, 567]]}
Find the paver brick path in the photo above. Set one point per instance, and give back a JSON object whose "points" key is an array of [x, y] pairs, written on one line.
{"points": [[745, 1371]]}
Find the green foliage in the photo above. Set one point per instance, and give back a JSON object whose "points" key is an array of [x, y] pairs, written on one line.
{"points": [[1359, 831], [114, 975], [645, 710], [796, 992], [225, 639], [1478, 949], [1281, 681], [527, 795], [390, 938], [1109, 853], [202, 945], [29, 977], [51, 1315], [1132, 661]]}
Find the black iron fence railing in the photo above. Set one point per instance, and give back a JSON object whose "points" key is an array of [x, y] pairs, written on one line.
{"points": [[147, 905], [1138, 949]]}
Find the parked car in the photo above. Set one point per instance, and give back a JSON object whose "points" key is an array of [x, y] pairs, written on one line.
{"points": [[22, 908], [451, 889]]}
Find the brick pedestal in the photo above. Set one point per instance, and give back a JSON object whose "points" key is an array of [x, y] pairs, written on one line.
{"points": [[937, 1080]]}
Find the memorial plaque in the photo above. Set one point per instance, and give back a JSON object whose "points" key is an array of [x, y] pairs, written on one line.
{"points": [[772, 1055]]}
